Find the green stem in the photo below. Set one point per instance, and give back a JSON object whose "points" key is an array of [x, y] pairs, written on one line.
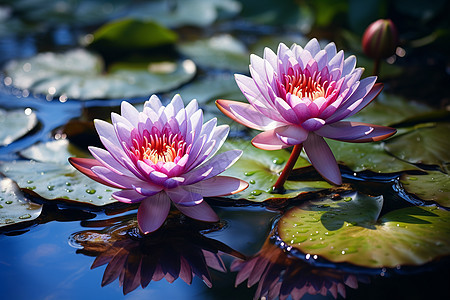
{"points": [[376, 67], [278, 187]]}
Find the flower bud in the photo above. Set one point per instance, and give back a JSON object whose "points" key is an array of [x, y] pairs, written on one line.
{"points": [[380, 39]]}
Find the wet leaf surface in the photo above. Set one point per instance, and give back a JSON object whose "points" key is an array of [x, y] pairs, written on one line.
{"points": [[350, 230], [261, 169], [427, 144], [435, 186], [79, 74], [218, 52], [14, 206], [18, 122], [52, 177]]}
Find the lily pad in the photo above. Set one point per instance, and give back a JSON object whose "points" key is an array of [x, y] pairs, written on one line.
{"points": [[389, 109], [426, 145], [185, 12], [261, 169], [350, 230], [52, 177], [367, 156], [435, 186], [14, 206], [79, 74], [219, 52], [19, 122], [132, 34]]}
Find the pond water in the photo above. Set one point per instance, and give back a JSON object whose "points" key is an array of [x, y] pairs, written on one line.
{"points": [[388, 224]]}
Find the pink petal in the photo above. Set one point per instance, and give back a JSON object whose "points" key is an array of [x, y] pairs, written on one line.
{"points": [[322, 158], [105, 158], [218, 186], [349, 65], [269, 140], [84, 165], [374, 92], [130, 113], [152, 212], [114, 179], [147, 188], [253, 88], [312, 46], [286, 111], [248, 115], [355, 132], [331, 50], [202, 212], [313, 124], [291, 135], [153, 103], [128, 196], [183, 197]]}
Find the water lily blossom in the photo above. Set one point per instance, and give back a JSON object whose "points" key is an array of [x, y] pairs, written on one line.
{"points": [[162, 155], [299, 96]]}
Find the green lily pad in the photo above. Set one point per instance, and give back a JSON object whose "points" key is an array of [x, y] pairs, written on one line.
{"points": [[389, 109], [219, 52], [185, 12], [435, 186], [19, 122], [367, 156], [261, 169], [426, 145], [53, 178], [79, 74], [14, 206], [132, 34], [349, 230]]}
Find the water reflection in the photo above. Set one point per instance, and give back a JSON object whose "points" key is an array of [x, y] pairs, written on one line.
{"points": [[171, 252], [279, 276]]}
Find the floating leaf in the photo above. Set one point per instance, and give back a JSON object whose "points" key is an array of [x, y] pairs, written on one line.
{"points": [[219, 52], [349, 230], [427, 144], [132, 34], [367, 156], [54, 178], [79, 74], [14, 206], [19, 122], [185, 12], [434, 186], [261, 169], [389, 109]]}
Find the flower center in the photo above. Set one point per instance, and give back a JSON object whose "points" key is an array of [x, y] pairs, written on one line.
{"points": [[158, 147], [304, 86]]}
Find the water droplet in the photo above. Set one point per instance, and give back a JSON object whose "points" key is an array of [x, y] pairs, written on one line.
{"points": [[256, 192], [347, 199], [8, 202], [50, 187], [99, 197], [68, 184], [69, 190], [90, 191], [108, 190], [30, 188], [27, 216], [251, 197], [278, 161], [29, 181], [252, 181], [412, 178], [249, 173]]}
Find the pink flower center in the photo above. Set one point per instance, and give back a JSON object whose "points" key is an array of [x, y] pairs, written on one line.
{"points": [[159, 147], [304, 86]]}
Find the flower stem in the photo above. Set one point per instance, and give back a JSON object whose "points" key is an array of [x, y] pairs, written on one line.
{"points": [[376, 67], [278, 187]]}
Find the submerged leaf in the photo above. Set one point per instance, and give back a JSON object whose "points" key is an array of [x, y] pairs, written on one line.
{"points": [[54, 178], [79, 74], [435, 186], [19, 122], [14, 206], [349, 230], [261, 169]]}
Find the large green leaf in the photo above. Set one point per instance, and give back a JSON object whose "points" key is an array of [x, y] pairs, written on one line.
{"points": [[367, 156], [426, 145], [261, 169], [435, 186], [132, 34], [79, 74], [219, 52], [349, 230], [50, 175], [18, 122], [14, 206]]}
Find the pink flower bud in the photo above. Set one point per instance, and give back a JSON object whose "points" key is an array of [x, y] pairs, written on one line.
{"points": [[380, 39]]}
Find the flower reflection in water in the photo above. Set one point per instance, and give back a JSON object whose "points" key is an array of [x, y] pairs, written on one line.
{"points": [[279, 276], [171, 252]]}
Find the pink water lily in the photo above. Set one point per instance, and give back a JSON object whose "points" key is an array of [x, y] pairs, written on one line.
{"points": [[162, 155], [299, 96]]}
